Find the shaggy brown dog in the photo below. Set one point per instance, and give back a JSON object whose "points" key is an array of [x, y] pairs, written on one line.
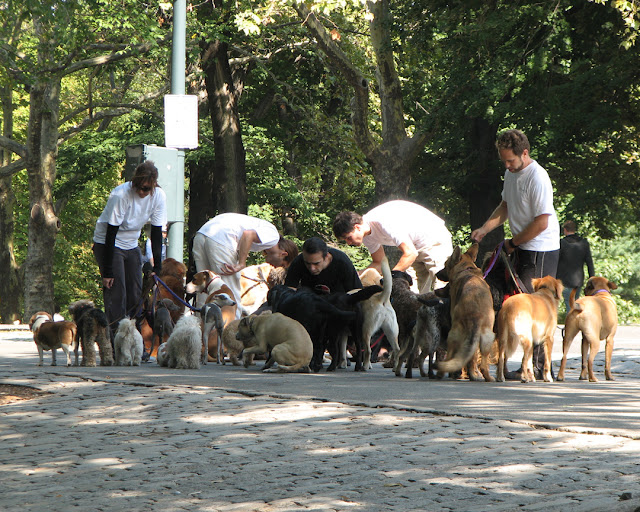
{"points": [[472, 315], [93, 327], [49, 335], [596, 316], [529, 319]]}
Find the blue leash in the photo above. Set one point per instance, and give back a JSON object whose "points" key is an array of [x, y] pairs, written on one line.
{"points": [[180, 299]]}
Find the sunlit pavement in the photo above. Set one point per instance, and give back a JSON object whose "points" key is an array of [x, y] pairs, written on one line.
{"points": [[226, 438]]}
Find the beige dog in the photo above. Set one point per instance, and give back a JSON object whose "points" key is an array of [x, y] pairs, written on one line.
{"points": [[529, 319], [596, 316], [472, 315], [49, 335], [286, 339]]}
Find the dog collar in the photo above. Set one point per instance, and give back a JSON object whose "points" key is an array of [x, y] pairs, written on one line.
{"points": [[602, 290], [206, 286]]}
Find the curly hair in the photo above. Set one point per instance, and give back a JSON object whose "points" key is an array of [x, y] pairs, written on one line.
{"points": [[514, 140]]}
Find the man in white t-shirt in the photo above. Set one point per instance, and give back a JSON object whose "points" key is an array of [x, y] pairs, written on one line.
{"points": [[222, 245], [527, 202], [421, 235], [129, 207]]}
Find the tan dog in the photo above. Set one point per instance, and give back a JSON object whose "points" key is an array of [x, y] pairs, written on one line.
{"points": [[472, 315], [286, 339], [529, 319], [49, 335], [596, 316], [253, 280]]}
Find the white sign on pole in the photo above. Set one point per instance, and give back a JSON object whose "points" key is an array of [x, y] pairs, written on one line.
{"points": [[181, 121]]}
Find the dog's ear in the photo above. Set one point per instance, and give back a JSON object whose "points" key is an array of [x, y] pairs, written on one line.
{"points": [[472, 251], [559, 288], [455, 257], [535, 283], [612, 285]]}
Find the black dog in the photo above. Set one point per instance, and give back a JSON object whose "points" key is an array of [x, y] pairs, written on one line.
{"points": [[336, 331], [313, 312]]}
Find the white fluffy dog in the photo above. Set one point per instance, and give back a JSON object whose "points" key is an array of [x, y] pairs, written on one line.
{"points": [[128, 344], [184, 346]]}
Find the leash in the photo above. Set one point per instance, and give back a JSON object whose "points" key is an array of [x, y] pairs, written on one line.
{"points": [[180, 299], [494, 258]]}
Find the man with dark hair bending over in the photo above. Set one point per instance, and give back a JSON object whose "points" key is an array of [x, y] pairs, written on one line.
{"points": [[322, 268], [421, 235]]}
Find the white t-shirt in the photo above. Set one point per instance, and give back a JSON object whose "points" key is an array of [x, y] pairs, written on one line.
{"points": [[528, 194], [227, 228], [397, 222], [125, 208]]}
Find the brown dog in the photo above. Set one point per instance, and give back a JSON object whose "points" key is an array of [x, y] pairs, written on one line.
{"points": [[529, 319], [49, 335], [472, 315], [596, 316]]}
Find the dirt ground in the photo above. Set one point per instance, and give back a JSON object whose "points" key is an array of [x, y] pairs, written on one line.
{"points": [[10, 393]]}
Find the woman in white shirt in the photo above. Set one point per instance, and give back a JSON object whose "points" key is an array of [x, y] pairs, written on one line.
{"points": [[130, 206]]}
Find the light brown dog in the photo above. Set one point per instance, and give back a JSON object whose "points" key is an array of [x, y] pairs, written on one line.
{"points": [[472, 315], [253, 280], [49, 335], [529, 319], [596, 316], [286, 339]]}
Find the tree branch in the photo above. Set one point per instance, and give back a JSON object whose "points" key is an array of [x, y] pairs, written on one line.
{"points": [[13, 167], [360, 102]]}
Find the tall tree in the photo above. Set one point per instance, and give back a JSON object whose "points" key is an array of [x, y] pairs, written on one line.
{"points": [[58, 40], [392, 157]]}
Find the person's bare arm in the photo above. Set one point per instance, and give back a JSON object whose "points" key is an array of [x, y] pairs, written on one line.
{"points": [[409, 255], [497, 218], [248, 237]]}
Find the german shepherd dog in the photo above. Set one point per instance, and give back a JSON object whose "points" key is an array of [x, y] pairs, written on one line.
{"points": [[472, 315]]}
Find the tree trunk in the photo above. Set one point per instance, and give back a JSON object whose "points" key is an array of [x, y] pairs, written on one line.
{"points": [[42, 150], [391, 160], [229, 174], [483, 183], [10, 292], [201, 191]]}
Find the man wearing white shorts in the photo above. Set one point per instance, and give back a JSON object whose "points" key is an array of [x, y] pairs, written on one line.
{"points": [[421, 235]]}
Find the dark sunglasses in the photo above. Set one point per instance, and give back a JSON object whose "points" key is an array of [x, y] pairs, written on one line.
{"points": [[145, 189]]}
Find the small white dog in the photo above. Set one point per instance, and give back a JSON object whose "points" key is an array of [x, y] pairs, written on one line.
{"points": [[128, 344], [184, 346]]}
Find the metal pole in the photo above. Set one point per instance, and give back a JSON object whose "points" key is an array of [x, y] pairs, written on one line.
{"points": [[178, 65]]}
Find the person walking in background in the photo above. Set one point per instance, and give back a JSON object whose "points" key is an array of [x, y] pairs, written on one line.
{"points": [[575, 253], [129, 207]]}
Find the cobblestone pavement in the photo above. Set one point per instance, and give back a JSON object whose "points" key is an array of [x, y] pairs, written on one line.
{"points": [[97, 444]]}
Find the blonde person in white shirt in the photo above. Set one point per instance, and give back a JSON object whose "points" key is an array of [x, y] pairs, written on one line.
{"points": [[421, 235], [130, 206]]}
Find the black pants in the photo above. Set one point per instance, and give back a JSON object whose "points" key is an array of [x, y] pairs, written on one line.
{"points": [[530, 265], [123, 298]]}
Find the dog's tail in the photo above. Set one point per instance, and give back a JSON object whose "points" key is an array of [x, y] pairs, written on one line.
{"points": [[387, 281], [463, 354], [572, 302]]}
